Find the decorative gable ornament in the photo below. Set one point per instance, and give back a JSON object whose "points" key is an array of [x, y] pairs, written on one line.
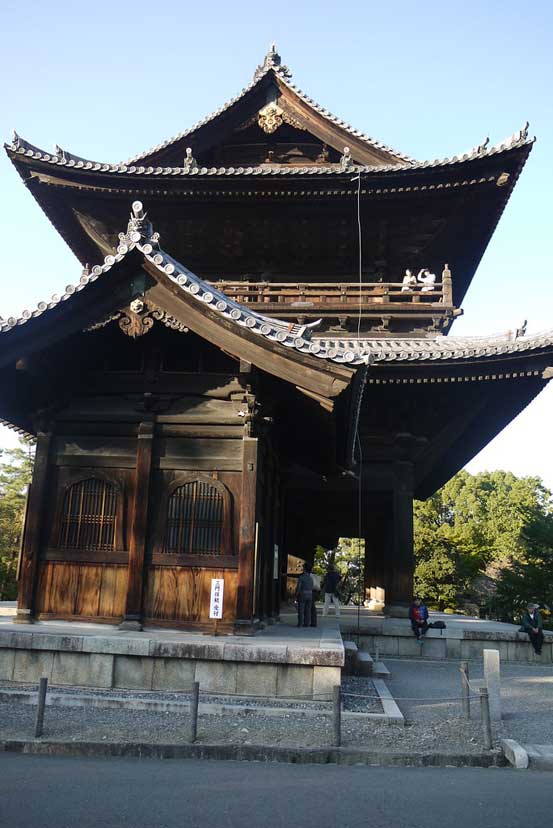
{"points": [[270, 118]]}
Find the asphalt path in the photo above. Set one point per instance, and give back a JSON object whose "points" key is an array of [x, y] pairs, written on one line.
{"points": [[81, 793]]}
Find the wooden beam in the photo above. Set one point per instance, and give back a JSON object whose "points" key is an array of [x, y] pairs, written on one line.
{"points": [[247, 533], [32, 529], [132, 619]]}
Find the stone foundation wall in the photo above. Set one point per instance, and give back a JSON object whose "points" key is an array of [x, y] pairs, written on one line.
{"points": [[513, 647]]}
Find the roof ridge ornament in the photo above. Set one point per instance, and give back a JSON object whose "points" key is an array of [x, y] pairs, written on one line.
{"points": [[346, 160], [272, 61], [139, 230], [190, 162]]}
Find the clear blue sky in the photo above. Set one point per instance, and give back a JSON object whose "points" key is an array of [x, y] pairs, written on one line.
{"points": [[108, 80]]}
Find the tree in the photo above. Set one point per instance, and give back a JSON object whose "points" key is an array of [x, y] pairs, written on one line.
{"points": [[348, 558], [15, 475], [471, 531]]}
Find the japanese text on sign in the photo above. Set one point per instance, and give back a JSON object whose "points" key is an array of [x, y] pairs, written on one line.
{"points": [[216, 604]]}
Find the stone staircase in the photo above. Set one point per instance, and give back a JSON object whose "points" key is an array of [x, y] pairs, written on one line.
{"points": [[361, 663]]}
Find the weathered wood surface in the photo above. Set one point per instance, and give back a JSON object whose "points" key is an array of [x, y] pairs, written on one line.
{"points": [[183, 593], [81, 590], [247, 534], [139, 522]]}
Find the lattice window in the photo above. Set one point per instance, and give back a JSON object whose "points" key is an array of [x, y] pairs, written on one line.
{"points": [[197, 519], [89, 516]]}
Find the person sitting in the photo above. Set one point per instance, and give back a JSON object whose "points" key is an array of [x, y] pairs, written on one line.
{"points": [[533, 625], [409, 281], [304, 595], [418, 615], [427, 279]]}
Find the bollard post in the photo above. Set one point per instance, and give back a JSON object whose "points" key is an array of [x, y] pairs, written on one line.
{"points": [[492, 679], [486, 720], [465, 690], [42, 688], [194, 702], [337, 715]]}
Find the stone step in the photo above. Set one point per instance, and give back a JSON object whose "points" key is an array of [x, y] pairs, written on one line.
{"points": [[380, 670], [540, 757], [364, 664], [350, 654]]}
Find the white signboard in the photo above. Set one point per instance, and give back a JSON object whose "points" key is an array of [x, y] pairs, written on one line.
{"points": [[275, 562], [216, 604]]}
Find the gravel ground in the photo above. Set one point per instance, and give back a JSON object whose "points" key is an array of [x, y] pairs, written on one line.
{"points": [[526, 693], [76, 724]]}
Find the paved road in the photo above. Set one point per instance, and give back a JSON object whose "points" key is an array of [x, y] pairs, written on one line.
{"points": [[87, 793]]}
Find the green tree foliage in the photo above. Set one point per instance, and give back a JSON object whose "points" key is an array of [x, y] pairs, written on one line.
{"points": [[472, 531], [15, 475], [348, 558]]}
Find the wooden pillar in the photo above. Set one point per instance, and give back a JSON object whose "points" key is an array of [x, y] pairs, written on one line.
{"points": [[132, 619], [399, 593], [32, 529], [247, 533]]}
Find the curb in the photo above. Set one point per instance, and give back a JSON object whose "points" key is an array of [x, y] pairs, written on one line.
{"points": [[253, 753]]}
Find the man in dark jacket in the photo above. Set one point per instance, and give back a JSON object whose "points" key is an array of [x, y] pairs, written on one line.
{"points": [[533, 625], [330, 585], [304, 595], [418, 615]]}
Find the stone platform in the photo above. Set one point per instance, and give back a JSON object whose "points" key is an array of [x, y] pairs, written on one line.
{"points": [[464, 638], [277, 662]]}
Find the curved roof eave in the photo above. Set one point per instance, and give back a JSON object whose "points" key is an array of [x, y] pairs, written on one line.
{"points": [[345, 350]]}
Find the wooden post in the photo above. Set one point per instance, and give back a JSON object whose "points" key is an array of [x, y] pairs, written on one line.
{"points": [[447, 286], [465, 690], [194, 704], [32, 530], [139, 522], [486, 720], [400, 583], [246, 548], [41, 703], [337, 715]]}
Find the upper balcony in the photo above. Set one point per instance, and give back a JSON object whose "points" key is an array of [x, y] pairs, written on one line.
{"points": [[394, 308]]}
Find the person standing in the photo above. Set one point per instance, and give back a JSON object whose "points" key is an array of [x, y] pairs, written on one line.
{"points": [[533, 625], [304, 595], [330, 585], [316, 593], [418, 615]]}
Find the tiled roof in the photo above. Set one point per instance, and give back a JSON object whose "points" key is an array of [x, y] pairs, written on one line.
{"points": [[62, 158], [344, 350], [274, 66]]}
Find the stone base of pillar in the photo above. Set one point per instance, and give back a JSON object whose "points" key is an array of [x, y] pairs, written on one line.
{"points": [[132, 623], [23, 616], [397, 610]]}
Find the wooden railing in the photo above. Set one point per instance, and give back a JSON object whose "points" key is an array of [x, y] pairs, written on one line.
{"points": [[336, 294]]}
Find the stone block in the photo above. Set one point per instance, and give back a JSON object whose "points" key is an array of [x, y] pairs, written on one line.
{"points": [[100, 668], [216, 676], [6, 637], [453, 648], [133, 672], [69, 643], [520, 651], [295, 680], [173, 674], [71, 668], [350, 652], [409, 646], [388, 645], [204, 651], [540, 757], [22, 640], [258, 679], [364, 665], [515, 753], [324, 681], [471, 649], [492, 678], [433, 647], [261, 654], [32, 665], [7, 661], [124, 645]]}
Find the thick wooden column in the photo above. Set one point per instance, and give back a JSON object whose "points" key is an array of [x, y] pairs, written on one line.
{"points": [[247, 533], [132, 619], [399, 593], [32, 530]]}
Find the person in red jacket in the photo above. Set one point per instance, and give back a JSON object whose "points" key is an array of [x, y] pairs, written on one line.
{"points": [[418, 615]]}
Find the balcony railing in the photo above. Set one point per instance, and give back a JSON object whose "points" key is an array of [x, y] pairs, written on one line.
{"points": [[337, 295]]}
